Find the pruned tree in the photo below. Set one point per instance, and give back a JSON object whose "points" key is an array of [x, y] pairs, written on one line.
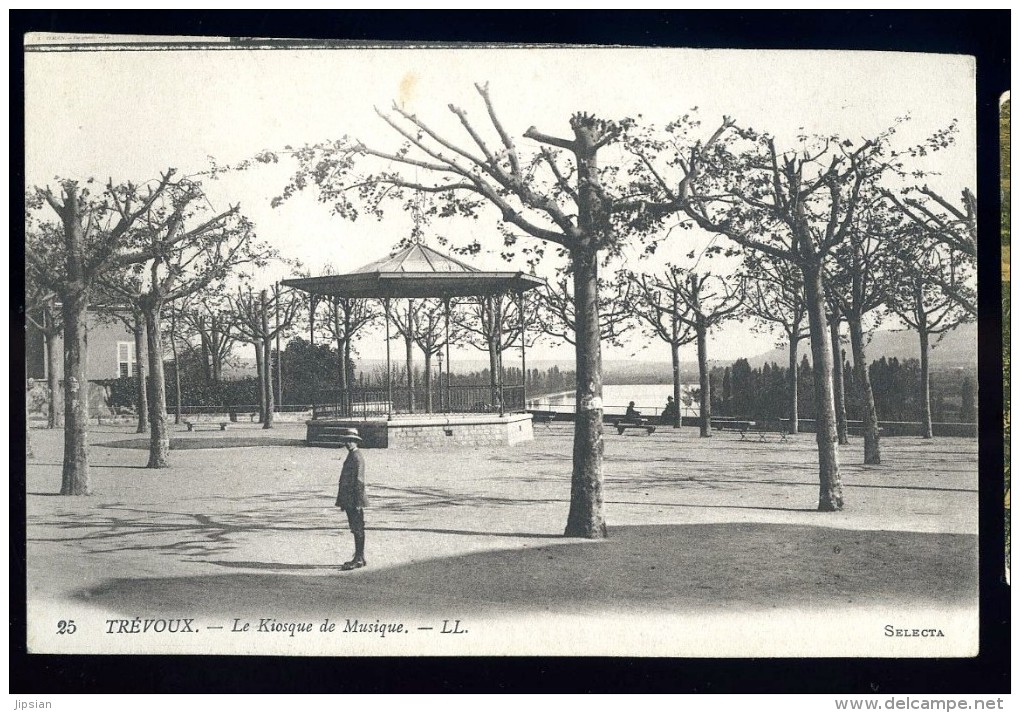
{"points": [[43, 312], [258, 318], [557, 310], [922, 303], [657, 306], [794, 206], [404, 316], [835, 319], [559, 194], [192, 246], [860, 279], [90, 236], [774, 295], [712, 301], [954, 226], [208, 321], [346, 318], [493, 324]]}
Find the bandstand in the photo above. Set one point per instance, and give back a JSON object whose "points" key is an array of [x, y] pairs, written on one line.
{"points": [[397, 416]]}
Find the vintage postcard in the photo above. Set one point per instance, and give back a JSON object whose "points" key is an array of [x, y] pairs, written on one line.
{"points": [[347, 350]]}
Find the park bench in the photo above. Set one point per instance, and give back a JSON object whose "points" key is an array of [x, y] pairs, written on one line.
{"points": [[192, 425], [732, 425], [762, 429], [622, 424], [252, 415]]}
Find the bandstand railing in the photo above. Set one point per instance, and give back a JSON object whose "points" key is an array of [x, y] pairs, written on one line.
{"points": [[367, 403]]}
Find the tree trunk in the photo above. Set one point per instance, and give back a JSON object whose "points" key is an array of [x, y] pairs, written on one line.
{"points": [[348, 372], [674, 352], [706, 386], [143, 397], [493, 370], [793, 381], [177, 369], [74, 478], [29, 451], [260, 371], [830, 488], [587, 516], [267, 372], [206, 359], [409, 357], [159, 438], [341, 372], [267, 361], [872, 445], [428, 381], [53, 419], [838, 391], [926, 430], [215, 351]]}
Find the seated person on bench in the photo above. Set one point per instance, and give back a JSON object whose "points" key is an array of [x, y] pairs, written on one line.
{"points": [[632, 413], [669, 413]]}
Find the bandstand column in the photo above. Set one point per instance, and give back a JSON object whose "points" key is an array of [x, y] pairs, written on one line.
{"points": [[524, 360], [389, 370], [446, 304], [499, 352]]}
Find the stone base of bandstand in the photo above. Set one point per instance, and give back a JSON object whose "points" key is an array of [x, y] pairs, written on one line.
{"points": [[425, 431]]}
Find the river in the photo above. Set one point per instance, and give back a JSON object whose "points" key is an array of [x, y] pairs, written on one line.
{"points": [[649, 399]]}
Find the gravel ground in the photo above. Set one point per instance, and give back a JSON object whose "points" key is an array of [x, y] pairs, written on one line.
{"points": [[700, 527]]}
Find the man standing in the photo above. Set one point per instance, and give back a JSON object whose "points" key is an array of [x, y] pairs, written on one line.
{"points": [[351, 495]]}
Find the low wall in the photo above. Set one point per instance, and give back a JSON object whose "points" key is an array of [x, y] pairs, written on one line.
{"points": [[807, 425], [435, 431]]}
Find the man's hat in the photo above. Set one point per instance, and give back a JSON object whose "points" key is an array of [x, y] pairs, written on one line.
{"points": [[348, 434]]}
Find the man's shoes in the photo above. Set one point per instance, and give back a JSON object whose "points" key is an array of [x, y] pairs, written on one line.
{"points": [[353, 564]]}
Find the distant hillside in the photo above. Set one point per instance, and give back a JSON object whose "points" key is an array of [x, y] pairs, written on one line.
{"points": [[957, 349]]}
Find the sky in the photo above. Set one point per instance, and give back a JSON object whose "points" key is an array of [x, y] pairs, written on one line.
{"points": [[131, 115]]}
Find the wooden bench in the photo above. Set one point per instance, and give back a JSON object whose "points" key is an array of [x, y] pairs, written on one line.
{"points": [[623, 424], [252, 415], [731, 426], [192, 425]]}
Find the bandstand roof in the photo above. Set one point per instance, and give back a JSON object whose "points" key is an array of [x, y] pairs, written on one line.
{"points": [[416, 271]]}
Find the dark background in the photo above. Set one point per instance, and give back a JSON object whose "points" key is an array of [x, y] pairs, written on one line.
{"points": [[984, 34]]}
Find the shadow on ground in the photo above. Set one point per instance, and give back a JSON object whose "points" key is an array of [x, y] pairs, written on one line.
{"points": [[679, 568], [187, 444]]}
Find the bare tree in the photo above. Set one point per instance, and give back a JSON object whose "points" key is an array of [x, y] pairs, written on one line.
{"points": [[712, 301], [347, 317], [953, 226], [924, 306], [250, 314], [90, 237], [192, 246], [208, 320], [560, 195], [493, 324], [557, 314], [659, 309], [774, 295], [794, 206], [859, 281], [43, 312]]}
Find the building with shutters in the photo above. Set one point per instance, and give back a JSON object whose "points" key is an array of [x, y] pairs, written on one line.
{"points": [[111, 350]]}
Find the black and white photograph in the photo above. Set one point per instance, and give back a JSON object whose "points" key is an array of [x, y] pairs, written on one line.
{"points": [[356, 350]]}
